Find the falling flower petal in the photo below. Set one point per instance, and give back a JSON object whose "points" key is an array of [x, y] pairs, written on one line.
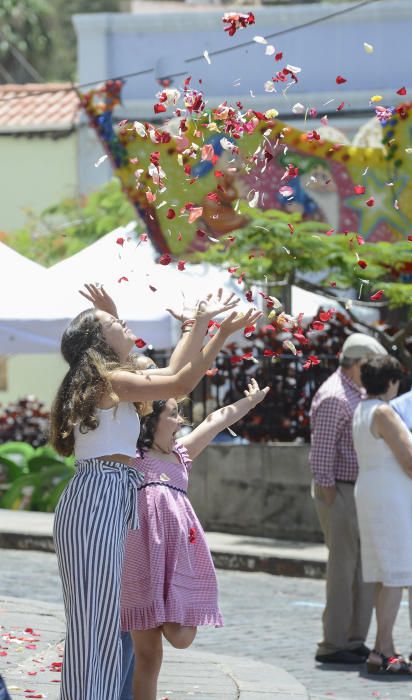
{"points": [[368, 47], [370, 202], [165, 259], [378, 295], [123, 279], [270, 50], [195, 213], [260, 40], [401, 91], [359, 189], [100, 161], [206, 55], [253, 202], [289, 346], [298, 108], [139, 342], [317, 326], [286, 191], [340, 80]]}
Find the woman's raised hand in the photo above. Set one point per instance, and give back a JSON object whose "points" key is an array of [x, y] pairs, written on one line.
{"points": [[99, 298], [236, 321], [254, 393], [186, 313], [215, 304]]}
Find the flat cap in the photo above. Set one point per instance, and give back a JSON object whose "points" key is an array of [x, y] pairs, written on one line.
{"points": [[359, 345]]}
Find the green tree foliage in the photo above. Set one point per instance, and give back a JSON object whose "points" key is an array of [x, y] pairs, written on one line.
{"points": [[68, 227], [24, 35], [63, 36], [277, 247], [41, 31], [276, 250]]}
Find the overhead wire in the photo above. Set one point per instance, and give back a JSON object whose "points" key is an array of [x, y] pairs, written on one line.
{"points": [[192, 59]]}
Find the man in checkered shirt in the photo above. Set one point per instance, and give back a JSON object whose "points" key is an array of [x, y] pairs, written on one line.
{"points": [[349, 601]]}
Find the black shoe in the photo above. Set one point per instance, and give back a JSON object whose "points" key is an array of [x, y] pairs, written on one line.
{"points": [[362, 650], [340, 657]]}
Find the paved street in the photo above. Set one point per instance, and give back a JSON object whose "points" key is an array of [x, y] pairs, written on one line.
{"points": [[268, 618]]}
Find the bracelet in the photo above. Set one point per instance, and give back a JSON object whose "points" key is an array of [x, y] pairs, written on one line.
{"points": [[188, 323]]}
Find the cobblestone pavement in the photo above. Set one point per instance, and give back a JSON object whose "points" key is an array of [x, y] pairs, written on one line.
{"points": [[268, 618]]}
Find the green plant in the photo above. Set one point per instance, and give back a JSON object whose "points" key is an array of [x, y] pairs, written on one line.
{"points": [[32, 479], [66, 228]]}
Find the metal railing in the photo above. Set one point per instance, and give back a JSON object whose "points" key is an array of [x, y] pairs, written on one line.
{"points": [[284, 414]]}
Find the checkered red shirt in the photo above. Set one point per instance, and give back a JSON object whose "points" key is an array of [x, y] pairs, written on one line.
{"points": [[332, 455]]}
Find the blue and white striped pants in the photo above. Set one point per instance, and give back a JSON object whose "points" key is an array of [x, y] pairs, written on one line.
{"points": [[90, 527]]}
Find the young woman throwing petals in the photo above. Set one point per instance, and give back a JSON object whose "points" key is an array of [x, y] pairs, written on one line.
{"points": [[94, 417], [169, 584]]}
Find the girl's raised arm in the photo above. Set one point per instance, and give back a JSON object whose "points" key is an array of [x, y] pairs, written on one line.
{"points": [[196, 441], [149, 386]]}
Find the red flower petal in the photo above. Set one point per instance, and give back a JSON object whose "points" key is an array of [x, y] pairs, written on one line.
{"points": [[317, 326], [378, 295], [360, 240], [359, 189], [171, 213], [362, 264], [165, 259], [249, 330], [120, 241], [181, 265], [401, 91], [249, 295], [340, 80], [279, 56], [370, 202], [340, 107], [123, 279], [139, 342], [409, 238], [159, 108]]}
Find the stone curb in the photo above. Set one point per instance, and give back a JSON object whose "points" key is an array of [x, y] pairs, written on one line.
{"points": [[233, 561]]}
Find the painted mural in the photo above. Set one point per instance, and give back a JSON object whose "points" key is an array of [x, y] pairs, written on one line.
{"points": [[186, 178]]}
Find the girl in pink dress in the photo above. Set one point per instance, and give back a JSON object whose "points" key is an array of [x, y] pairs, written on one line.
{"points": [[169, 585]]}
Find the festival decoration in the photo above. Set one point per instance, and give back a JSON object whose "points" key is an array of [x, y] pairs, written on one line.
{"points": [[186, 178]]}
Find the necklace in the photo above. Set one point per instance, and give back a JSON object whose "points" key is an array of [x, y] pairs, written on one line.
{"points": [[160, 449]]}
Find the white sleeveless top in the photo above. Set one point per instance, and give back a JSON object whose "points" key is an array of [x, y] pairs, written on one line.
{"points": [[117, 433]]}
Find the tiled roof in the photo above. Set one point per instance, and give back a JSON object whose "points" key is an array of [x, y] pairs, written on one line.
{"points": [[21, 110]]}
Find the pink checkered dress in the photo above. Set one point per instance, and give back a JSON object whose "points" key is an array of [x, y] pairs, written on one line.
{"points": [[168, 572]]}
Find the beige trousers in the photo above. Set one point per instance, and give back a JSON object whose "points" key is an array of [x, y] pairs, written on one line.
{"points": [[349, 601]]}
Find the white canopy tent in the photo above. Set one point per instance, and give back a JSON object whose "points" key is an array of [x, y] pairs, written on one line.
{"points": [[36, 304], [22, 325]]}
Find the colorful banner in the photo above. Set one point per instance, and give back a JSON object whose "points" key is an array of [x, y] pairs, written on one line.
{"points": [[203, 171]]}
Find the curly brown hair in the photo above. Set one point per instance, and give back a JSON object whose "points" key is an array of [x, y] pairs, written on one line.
{"points": [[90, 359]]}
